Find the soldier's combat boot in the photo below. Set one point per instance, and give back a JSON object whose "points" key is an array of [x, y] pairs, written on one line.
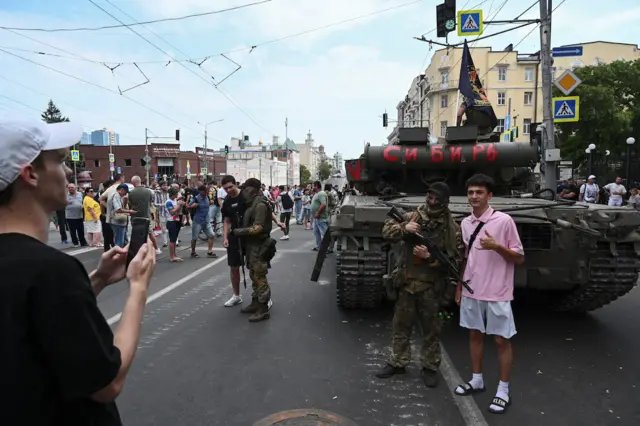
{"points": [[430, 378], [389, 370], [252, 308], [261, 314]]}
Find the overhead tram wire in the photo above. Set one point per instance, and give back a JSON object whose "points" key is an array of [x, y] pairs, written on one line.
{"points": [[506, 54], [97, 63], [242, 49], [180, 63], [154, 21], [99, 87]]}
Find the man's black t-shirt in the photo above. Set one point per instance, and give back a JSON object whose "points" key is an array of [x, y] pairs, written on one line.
{"points": [[57, 348], [233, 208]]}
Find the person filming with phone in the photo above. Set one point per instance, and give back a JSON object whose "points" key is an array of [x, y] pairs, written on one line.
{"points": [[62, 363]]}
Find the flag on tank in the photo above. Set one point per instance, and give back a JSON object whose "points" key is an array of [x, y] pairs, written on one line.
{"points": [[471, 88]]}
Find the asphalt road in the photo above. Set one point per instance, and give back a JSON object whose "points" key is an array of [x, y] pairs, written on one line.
{"points": [[199, 363]]}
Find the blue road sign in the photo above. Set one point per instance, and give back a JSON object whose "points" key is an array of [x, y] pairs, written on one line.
{"points": [[507, 123], [566, 109], [119, 170], [470, 22], [559, 52]]}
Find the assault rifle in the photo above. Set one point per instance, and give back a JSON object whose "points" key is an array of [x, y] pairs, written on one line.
{"points": [[434, 250]]}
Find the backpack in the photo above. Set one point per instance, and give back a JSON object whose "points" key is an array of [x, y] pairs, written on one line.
{"points": [[287, 202]]}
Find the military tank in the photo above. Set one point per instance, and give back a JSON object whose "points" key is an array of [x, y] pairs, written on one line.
{"points": [[579, 257]]}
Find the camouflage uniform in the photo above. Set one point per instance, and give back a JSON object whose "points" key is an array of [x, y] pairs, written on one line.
{"points": [[255, 231], [422, 285]]}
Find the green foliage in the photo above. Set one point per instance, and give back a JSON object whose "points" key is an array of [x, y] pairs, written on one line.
{"points": [[305, 175], [324, 171], [52, 114], [609, 112]]}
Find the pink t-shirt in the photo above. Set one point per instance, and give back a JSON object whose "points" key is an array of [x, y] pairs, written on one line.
{"points": [[490, 276]]}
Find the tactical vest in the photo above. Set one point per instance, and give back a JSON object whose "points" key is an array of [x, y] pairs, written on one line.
{"points": [[249, 218], [425, 269]]}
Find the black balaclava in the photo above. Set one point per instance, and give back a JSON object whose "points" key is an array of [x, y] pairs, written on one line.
{"points": [[441, 192], [251, 189]]}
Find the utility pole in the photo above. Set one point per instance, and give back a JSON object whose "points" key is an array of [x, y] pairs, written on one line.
{"points": [[206, 157], [146, 152], [550, 155]]}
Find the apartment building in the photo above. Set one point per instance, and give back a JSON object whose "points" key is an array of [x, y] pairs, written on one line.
{"points": [[512, 81]]}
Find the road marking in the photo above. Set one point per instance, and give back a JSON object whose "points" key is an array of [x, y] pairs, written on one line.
{"points": [[80, 251], [114, 319], [469, 410]]}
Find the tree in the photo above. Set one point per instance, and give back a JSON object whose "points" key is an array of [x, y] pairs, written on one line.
{"points": [[52, 114], [324, 170], [608, 113], [305, 175]]}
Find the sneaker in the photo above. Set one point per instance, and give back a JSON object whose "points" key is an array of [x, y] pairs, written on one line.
{"points": [[284, 237], [158, 251], [235, 300], [76, 245], [270, 303]]}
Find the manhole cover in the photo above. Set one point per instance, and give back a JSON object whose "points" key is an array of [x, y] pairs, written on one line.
{"points": [[304, 418]]}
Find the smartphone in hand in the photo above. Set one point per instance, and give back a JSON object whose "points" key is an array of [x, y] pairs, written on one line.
{"points": [[139, 236]]}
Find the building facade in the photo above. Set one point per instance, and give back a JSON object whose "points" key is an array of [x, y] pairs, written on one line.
{"points": [[338, 163], [309, 155], [512, 81], [105, 137], [166, 159]]}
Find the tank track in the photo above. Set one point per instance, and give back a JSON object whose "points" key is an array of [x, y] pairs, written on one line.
{"points": [[359, 277], [610, 278]]}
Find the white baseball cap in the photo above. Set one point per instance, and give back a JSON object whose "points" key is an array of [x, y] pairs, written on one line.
{"points": [[22, 139], [591, 177]]}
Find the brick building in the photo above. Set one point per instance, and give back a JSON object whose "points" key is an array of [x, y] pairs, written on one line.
{"points": [[166, 159]]}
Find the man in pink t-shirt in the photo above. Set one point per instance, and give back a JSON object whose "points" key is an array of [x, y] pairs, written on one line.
{"points": [[493, 248]]}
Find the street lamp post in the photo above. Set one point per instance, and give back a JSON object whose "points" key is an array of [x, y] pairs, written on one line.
{"points": [[630, 142], [206, 152], [590, 149]]}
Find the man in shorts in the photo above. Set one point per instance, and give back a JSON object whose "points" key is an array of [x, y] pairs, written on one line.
{"points": [[200, 204], [233, 208], [492, 249]]}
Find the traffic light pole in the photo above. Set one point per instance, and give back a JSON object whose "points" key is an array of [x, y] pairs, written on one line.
{"points": [[146, 152]]}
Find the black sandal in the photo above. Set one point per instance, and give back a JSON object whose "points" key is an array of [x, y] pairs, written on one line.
{"points": [[500, 403], [212, 254], [468, 389], [194, 255]]}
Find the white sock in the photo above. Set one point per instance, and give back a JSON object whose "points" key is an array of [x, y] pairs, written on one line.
{"points": [[477, 381], [503, 390]]}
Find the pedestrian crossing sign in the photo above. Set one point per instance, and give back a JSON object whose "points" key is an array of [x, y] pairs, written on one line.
{"points": [[470, 23], [566, 109], [203, 171], [75, 156]]}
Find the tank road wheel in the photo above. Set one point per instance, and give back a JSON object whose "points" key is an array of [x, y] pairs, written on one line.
{"points": [[359, 274], [610, 278]]}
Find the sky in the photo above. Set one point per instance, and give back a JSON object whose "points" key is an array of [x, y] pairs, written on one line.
{"points": [[335, 81]]}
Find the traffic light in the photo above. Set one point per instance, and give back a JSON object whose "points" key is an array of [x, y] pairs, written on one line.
{"points": [[226, 149], [446, 17], [385, 120], [178, 135]]}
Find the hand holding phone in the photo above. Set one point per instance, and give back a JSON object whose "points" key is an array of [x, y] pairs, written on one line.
{"points": [[139, 236]]}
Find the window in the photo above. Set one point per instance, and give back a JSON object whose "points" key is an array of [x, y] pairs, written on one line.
{"points": [[444, 77], [528, 74], [526, 126], [502, 96], [502, 74], [444, 101], [500, 126], [443, 129], [528, 98], [127, 162], [96, 163]]}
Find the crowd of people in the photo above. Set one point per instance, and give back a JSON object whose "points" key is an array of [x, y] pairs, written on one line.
{"points": [[615, 194]]}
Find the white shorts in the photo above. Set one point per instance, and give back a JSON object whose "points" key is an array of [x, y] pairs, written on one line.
{"points": [[93, 227], [495, 318]]}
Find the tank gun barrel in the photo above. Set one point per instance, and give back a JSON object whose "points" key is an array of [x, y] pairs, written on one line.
{"points": [[450, 156]]}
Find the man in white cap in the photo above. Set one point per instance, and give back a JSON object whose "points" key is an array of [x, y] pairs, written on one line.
{"points": [[589, 192], [62, 364]]}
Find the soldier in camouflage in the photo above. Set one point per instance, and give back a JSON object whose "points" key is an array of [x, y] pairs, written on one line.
{"points": [[254, 232], [422, 283]]}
